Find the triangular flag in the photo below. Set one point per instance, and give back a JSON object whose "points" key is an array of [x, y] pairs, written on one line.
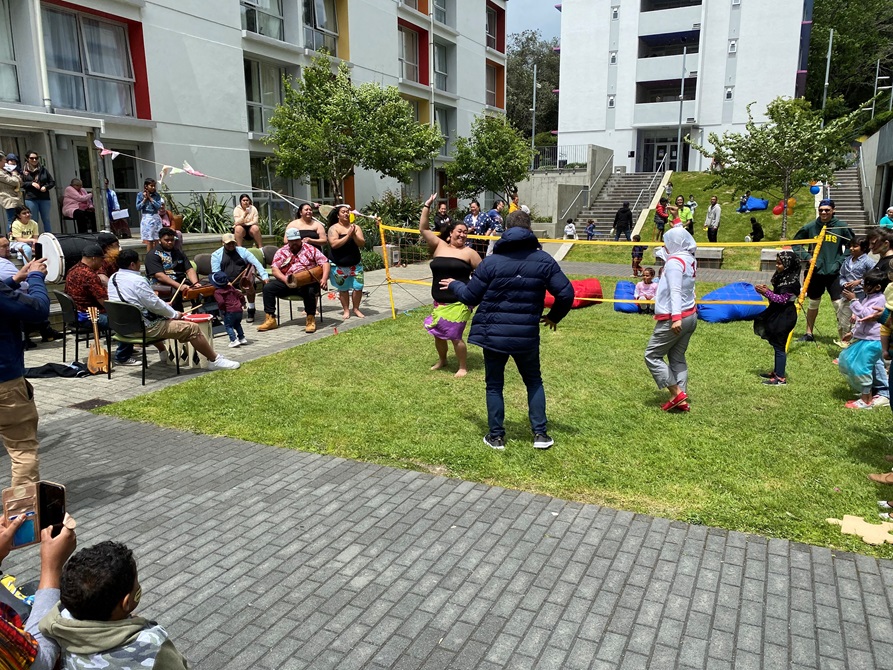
{"points": [[189, 170], [98, 144], [165, 171]]}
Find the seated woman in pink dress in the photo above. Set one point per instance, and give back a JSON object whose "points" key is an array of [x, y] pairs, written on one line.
{"points": [[77, 204]]}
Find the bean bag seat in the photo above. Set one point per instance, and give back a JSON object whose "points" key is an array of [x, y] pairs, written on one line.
{"points": [[756, 204], [625, 290], [583, 288], [729, 313]]}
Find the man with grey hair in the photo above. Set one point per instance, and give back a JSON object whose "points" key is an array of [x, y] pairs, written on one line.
{"points": [[510, 288]]}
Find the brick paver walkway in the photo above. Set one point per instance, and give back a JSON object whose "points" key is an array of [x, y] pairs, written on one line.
{"points": [[257, 557]]}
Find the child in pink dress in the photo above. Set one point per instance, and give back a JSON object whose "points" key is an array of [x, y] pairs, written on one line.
{"points": [[646, 290]]}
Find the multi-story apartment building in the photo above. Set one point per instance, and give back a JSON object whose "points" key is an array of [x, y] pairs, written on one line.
{"points": [[197, 80], [634, 71]]}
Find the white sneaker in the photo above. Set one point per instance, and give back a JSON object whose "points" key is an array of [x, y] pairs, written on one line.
{"points": [[880, 401], [162, 356], [222, 363], [233, 344], [243, 340]]}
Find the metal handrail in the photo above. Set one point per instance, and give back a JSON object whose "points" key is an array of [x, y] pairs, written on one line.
{"points": [[651, 183], [585, 188], [863, 183]]}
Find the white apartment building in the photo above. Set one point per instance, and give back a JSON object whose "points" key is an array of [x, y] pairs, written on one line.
{"points": [[197, 80], [624, 64]]}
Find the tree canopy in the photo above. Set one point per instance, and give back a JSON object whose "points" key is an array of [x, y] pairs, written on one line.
{"points": [[525, 50], [781, 155], [327, 126], [494, 158]]}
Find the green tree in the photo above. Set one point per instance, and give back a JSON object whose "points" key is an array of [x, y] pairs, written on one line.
{"points": [[326, 127], [863, 33], [525, 50], [494, 158], [781, 155]]}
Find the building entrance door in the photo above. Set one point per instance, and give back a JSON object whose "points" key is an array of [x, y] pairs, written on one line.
{"points": [[660, 153]]}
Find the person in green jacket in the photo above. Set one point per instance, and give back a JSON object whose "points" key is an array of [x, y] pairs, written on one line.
{"points": [[834, 249]]}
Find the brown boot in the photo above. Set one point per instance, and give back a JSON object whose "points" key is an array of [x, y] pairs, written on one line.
{"points": [[311, 324], [268, 324]]}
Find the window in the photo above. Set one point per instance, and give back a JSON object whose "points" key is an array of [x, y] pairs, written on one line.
{"points": [[409, 54], [441, 70], [321, 191], [321, 26], [88, 62], [442, 122], [491, 85], [612, 58], [263, 17], [440, 10], [9, 81], [736, 2], [615, 13], [733, 46], [263, 92], [730, 90], [610, 102], [492, 28], [414, 4], [263, 175]]}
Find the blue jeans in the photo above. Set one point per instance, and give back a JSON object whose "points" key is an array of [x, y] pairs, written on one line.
{"points": [[124, 350], [880, 384], [40, 212], [781, 359], [528, 363], [233, 323]]}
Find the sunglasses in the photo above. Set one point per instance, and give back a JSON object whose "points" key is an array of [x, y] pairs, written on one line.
{"points": [[825, 211], [33, 158]]}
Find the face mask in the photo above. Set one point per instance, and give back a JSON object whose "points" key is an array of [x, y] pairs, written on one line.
{"points": [[10, 167]]}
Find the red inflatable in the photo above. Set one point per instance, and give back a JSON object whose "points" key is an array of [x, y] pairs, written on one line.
{"points": [[583, 288]]}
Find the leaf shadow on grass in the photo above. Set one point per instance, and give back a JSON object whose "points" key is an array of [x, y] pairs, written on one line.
{"points": [[871, 450]]}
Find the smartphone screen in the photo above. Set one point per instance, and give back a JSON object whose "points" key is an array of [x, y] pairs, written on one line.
{"points": [[38, 250], [52, 505]]}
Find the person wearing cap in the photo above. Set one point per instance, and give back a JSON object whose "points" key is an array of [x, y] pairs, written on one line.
{"points": [[294, 257], [111, 246], [234, 261], [83, 286], [231, 304], [832, 251], [162, 321], [11, 187], [167, 267]]}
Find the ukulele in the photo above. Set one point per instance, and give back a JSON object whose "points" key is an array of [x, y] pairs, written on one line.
{"points": [[98, 360]]}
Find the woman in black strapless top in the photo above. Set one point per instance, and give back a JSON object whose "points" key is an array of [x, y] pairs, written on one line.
{"points": [[451, 259]]}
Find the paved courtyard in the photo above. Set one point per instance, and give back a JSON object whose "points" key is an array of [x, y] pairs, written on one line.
{"points": [[254, 556]]}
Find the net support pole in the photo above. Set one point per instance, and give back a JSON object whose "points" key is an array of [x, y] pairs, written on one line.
{"points": [[387, 266], [802, 297]]}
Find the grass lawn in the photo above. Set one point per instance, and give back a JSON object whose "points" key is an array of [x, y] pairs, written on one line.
{"points": [[770, 460], [733, 226]]}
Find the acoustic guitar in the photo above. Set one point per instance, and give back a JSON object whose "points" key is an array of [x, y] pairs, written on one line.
{"points": [[98, 360]]}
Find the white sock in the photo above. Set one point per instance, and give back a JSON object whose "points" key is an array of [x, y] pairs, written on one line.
{"points": [[250, 305]]}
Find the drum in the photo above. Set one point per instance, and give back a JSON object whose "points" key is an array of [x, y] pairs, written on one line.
{"points": [[63, 252], [189, 357]]}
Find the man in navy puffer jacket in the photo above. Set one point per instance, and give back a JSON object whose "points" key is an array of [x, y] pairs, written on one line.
{"points": [[510, 287], [18, 420]]}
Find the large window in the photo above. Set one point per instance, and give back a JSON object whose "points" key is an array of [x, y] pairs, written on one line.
{"points": [[263, 17], [88, 61], [492, 28], [9, 82], [409, 54], [491, 85], [321, 26], [441, 69], [263, 92], [442, 122], [440, 10]]}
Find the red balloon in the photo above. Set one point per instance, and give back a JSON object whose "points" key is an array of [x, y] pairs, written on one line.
{"points": [[778, 209]]}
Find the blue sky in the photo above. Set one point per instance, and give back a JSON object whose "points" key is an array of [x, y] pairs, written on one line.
{"points": [[534, 15]]}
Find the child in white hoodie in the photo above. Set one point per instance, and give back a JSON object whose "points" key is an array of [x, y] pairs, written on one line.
{"points": [[676, 316]]}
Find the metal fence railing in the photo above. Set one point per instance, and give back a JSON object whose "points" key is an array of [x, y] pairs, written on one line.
{"points": [[565, 157]]}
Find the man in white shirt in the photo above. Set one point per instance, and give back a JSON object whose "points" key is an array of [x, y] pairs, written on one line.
{"points": [[129, 286], [711, 223]]}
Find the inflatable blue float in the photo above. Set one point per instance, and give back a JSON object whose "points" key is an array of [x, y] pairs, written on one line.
{"points": [[625, 290], [729, 313]]}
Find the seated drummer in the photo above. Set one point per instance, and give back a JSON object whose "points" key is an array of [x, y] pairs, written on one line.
{"points": [[167, 267], [161, 320], [83, 286], [294, 257], [234, 261]]}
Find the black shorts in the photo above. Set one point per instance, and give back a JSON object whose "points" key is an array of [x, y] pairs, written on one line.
{"points": [[821, 283]]}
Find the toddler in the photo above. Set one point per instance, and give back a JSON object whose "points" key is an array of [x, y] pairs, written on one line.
{"points": [[776, 323], [231, 303], [645, 290], [637, 254], [857, 362], [851, 272]]}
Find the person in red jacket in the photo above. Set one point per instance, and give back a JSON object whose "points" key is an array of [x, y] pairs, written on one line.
{"points": [[231, 302]]}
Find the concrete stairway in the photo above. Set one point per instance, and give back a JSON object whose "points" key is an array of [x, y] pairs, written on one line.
{"points": [[619, 188], [847, 195]]}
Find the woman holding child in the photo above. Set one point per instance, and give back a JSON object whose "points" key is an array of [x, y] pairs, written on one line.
{"points": [[451, 259]]}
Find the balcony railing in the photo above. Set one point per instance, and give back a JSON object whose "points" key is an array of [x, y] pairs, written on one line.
{"points": [[566, 157]]}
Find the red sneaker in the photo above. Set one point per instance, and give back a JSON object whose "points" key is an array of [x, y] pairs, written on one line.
{"points": [[678, 400]]}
